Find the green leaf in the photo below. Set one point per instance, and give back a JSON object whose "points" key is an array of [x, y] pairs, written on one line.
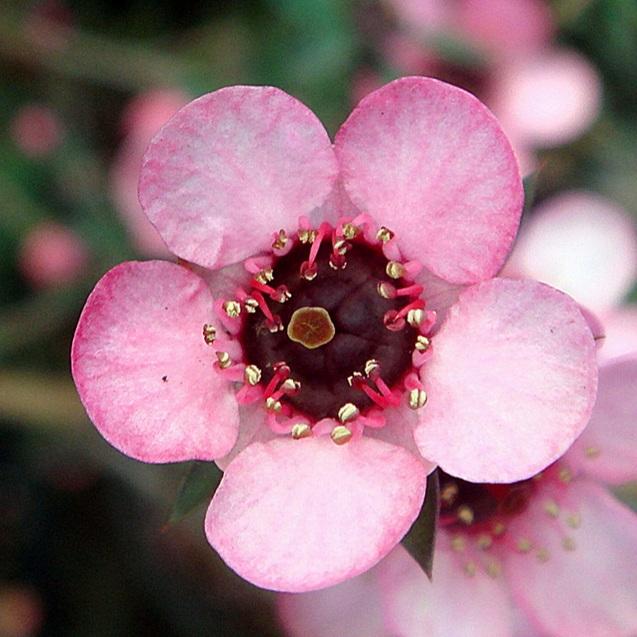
{"points": [[530, 188], [420, 541], [200, 482]]}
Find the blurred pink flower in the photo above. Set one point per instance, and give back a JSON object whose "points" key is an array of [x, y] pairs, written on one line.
{"points": [[36, 130], [585, 245], [553, 555], [21, 610], [143, 117], [51, 254], [543, 95], [310, 307]]}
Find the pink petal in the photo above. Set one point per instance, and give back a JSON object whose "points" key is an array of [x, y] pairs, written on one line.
{"points": [[582, 244], [620, 329], [298, 515], [429, 161], [548, 99], [143, 371], [591, 590], [231, 168], [511, 382], [607, 449], [452, 604]]}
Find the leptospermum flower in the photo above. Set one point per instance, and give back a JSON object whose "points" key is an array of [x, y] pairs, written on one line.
{"points": [[550, 555], [337, 328]]}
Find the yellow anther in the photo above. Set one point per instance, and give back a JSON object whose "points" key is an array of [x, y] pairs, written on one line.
{"points": [[568, 543], [280, 241], [224, 360], [273, 405], [265, 276], [395, 270], [232, 308], [347, 412], [574, 520], [341, 246], [565, 475], [415, 317], [307, 236], [471, 568], [209, 333], [485, 541], [371, 367], [386, 290], [341, 434], [341, 265], [384, 234], [551, 508], [523, 545], [493, 569], [291, 386], [465, 514], [417, 398], [458, 543], [251, 305], [252, 375], [449, 492], [350, 231], [301, 430], [592, 452], [422, 343], [498, 529], [543, 555]]}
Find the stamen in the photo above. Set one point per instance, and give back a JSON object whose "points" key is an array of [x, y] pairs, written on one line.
{"points": [[449, 493], [551, 508], [350, 231], [422, 343], [417, 304], [394, 270], [523, 545], [458, 543], [252, 375], [384, 234], [415, 317], [410, 290], [386, 290], [493, 569], [264, 276], [282, 372], [565, 475], [310, 264], [250, 304], [574, 520], [232, 308], [465, 514], [279, 294], [341, 434], [417, 398], [470, 568], [498, 529], [485, 541], [542, 555], [209, 333], [290, 387], [223, 360], [301, 430], [568, 544], [592, 452], [273, 405], [348, 411], [280, 240]]}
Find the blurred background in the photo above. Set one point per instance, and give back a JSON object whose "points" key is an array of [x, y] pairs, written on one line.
{"points": [[85, 548]]}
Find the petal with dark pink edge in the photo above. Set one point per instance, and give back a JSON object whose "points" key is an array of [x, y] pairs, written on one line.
{"points": [[511, 382], [143, 371], [590, 589], [298, 515], [429, 161], [231, 168], [607, 449]]}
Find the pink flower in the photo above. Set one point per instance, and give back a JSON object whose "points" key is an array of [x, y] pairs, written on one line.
{"points": [[143, 117], [36, 130], [51, 254], [553, 555], [319, 272], [586, 246]]}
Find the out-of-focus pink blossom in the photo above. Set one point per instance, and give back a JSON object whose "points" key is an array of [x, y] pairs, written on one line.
{"points": [[21, 611], [586, 245], [49, 25], [334, 326], [552, 555], [143, 117], [51, 254], [36, 130]]}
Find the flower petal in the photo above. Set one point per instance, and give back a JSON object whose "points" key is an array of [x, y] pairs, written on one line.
{"points": [[511, 382], [429, 161], [620, 330], [231, 168], [607, 449], [591, 590], [143, 371], [297, 515], [581, 244]]}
